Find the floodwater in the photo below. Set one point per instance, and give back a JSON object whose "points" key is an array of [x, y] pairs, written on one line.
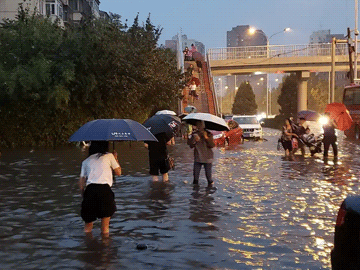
{"points": [[264, 212]]}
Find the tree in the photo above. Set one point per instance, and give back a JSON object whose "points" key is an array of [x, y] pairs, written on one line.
{"points": [[53, 80], [288, 96], [318, 93], [245, 100]]}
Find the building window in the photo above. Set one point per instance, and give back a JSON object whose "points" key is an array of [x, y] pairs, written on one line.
{"points": [[50, 9], [54, 7]]}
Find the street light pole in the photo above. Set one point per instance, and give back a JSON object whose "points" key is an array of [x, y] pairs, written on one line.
{"points": [[252, 31], [267, 74]]}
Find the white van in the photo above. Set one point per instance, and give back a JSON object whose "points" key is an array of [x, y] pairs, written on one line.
{"points": [[250, 126]]}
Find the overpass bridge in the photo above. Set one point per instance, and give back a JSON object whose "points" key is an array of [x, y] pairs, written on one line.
{"points": [[302, 59]]}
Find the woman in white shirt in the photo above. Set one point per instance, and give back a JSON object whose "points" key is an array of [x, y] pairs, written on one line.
{"points": [[96, 179]]}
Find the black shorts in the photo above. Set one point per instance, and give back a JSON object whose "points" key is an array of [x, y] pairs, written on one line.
{"points": [[193, 93], [98, 202], [157, 165], [287, 145]]}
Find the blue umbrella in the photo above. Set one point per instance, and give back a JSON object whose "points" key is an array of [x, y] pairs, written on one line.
{"points": [[112, 130]]}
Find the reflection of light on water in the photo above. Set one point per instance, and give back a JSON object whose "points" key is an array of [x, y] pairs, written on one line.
{"points": [[267, 212], [248, 244]]}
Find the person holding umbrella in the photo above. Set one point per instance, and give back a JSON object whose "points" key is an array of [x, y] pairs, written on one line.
{"points": [[330, 136], [96, 179], [158, 156], [202, 142], [163, 127]]}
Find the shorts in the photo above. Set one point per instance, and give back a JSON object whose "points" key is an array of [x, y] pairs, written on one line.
{"points": [[157, 165], [193, 93], [287, 145], [98, 202]]}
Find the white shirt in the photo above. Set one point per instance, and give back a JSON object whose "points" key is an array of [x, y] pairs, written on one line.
{"points": [[193, 87], [98, 170]]}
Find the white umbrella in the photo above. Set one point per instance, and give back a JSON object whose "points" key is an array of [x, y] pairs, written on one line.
{"points": [[212, 122], [166, 112]]}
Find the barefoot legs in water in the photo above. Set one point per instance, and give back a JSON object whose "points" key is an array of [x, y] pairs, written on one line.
{"points": [[104, 226], [88, 227], [165, 178]]}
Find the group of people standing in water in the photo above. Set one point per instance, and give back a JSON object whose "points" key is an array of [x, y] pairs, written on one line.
{"points": [[96, 177], [297, 136]]}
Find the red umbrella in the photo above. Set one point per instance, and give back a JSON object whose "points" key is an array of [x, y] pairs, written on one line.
{"points": [[196, 80], [340, 114]]}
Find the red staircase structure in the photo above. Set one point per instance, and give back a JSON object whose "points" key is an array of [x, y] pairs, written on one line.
{"points": [[206, 98], [210, 95]]}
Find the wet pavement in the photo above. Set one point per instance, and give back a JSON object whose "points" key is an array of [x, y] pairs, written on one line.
{"points": [[264, 212]]}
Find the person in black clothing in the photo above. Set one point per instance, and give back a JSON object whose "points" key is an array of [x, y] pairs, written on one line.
{"points": [[330, 137], [300, 130], [158, 156]]}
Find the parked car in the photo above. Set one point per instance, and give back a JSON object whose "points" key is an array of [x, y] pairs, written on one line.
{"points": [[232, 137], [346, 251], [250, 126]]}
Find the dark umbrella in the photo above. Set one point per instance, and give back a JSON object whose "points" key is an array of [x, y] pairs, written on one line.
{"points": [[196, 80], [212, 122], [112, 130], [340, 114], [163, 123], [308, 115]]}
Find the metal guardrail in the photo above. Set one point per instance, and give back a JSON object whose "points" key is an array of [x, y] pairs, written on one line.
{"points": [[271, 51], [212, 87]]}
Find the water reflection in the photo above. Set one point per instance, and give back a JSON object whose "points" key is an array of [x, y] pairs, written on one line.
{"points": [[98, 253], [203, 207], [159, 200], [263, 212]]}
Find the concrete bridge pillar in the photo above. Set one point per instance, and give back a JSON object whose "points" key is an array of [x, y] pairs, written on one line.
{"points": [[302, 90]]}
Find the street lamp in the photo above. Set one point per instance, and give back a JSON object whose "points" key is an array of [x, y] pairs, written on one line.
{"points": [[253, 30]]}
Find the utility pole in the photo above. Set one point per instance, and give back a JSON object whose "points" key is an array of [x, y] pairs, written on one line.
{"points": [[332, 72], [351, 49], [356, 32], [332, 81]]}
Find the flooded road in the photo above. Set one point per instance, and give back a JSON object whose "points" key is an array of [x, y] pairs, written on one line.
{"points": [[264, 212]]}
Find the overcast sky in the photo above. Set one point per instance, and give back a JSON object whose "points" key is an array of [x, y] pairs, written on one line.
{"points": [[208, 20]]}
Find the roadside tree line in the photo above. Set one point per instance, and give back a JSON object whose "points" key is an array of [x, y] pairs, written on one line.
{"points": [[53, 80]]}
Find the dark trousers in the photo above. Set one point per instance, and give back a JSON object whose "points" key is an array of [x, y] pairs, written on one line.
{"points": [[327, 142], [197, 169]]}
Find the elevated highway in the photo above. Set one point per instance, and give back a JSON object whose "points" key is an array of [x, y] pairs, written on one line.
{"points": [[302, 59]]}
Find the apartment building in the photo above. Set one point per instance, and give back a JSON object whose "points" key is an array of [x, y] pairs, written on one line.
{"points": [[65, 11]]}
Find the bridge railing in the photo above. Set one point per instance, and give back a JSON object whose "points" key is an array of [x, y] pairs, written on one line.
{"points": [[212, 87], [271, 51]]}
